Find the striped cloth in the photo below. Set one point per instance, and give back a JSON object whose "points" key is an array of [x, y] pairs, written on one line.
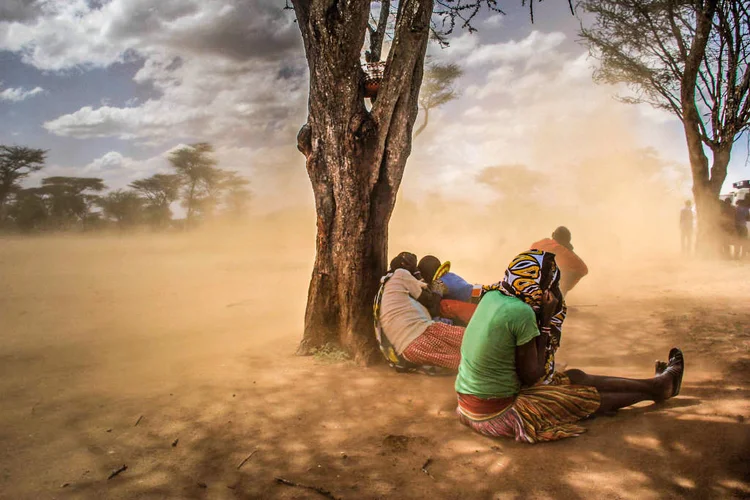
{"points": [[439, 345], [538, 413]]}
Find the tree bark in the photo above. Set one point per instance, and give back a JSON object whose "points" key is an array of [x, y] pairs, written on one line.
{"points": [[355, 161]]}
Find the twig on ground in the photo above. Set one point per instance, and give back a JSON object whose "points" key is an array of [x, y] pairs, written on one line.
{"points": [[138, 421], [316, 489], [247, 458], [241, 302], [117, 471], [425, 465]]}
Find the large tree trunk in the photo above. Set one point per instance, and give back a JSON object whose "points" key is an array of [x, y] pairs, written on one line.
{"points": [[355, 161]]}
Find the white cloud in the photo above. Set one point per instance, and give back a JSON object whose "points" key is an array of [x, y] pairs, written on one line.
{"points": [[19, 93], [494, 21], [113, 167], [207, 98], [231, 71], [534, 49], [70, 33]]}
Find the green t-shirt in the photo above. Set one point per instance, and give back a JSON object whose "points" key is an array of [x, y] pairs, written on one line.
{"points": [[488, 350]]}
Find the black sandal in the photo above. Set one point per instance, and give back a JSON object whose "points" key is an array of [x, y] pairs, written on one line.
{"points": [[675, 356]]}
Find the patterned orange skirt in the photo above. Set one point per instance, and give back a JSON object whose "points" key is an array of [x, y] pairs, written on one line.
{"points": [[543, 412]]}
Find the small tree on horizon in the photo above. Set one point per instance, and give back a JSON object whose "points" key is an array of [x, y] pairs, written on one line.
{"points": [[160, 190], [438, 88], [196, 167], [16, 163], [70, 199], [236, 194], [125, 207]]}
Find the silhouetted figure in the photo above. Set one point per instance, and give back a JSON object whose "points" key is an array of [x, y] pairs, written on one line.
{"points": [[686, 228], [727, 227], [742, 215]]}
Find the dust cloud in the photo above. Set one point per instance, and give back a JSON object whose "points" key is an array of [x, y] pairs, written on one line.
{"points": [[195, 332], [620, 201]]}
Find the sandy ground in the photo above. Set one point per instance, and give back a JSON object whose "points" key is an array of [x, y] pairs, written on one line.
{"points": [[173, 355]]}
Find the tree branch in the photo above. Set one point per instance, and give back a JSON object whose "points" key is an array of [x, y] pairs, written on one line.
{"points": [[409, 42], [378, 35], [424, 123]]}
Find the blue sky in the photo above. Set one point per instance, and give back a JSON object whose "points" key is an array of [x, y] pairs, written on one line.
{"points": [[110, 87]]}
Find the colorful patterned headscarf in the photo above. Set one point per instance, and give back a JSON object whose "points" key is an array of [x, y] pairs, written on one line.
{"points": [[528, 276]]}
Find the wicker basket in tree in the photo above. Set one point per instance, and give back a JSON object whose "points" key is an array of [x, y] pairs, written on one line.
{"points": [[373, 78]]}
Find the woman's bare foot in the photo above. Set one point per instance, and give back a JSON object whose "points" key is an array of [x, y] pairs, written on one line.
{"points": [[659, 367]]}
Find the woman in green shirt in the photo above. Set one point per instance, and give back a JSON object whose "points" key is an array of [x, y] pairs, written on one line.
{"points": [[504, 355]]}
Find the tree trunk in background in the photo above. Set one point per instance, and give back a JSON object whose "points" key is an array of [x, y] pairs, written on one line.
{"points": [[355, 161], [705, 190]]}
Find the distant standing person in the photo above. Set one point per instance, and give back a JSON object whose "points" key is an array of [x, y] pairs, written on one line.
{"points": [[742, 215], [571, 265], [728, 228], [686, 228]]}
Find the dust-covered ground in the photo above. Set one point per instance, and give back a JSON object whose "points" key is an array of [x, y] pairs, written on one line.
{"points": [[174, 355]]}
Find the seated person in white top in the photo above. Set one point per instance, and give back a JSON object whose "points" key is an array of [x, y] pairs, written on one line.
{"points": [[406, 320]]}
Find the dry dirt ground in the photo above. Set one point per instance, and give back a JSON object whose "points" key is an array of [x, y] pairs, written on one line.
{"points": [[173, 356]]}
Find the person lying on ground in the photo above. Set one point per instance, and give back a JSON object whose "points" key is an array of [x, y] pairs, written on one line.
{"points": [[571, 265], [457, 293], [504, 356], [403, 310]]}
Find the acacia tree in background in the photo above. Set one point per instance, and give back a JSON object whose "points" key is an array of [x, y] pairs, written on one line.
{"points": [[122, 206], [355, 156], [16, 163], [236, 194], [28, 210], [689, 57], [437, 89], [69, 198], [212, 185], [196, 167], [159, 190]]}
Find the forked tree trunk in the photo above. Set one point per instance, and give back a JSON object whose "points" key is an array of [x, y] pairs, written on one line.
{"points": [[355, 161]]}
